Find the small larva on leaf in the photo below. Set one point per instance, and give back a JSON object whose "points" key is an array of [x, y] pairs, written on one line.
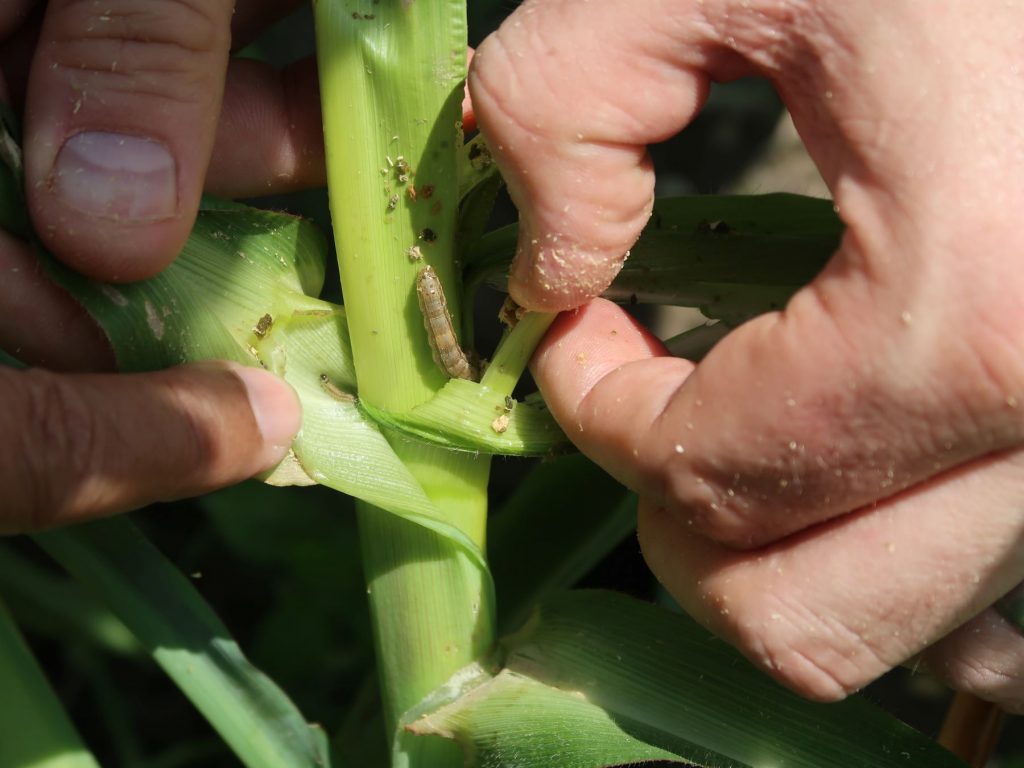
{"points": [[440, 329], [334, 390]]}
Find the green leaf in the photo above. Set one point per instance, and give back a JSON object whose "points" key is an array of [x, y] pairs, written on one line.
{"points": [[731, 256], [158, 604], [361, 739], [302, 530], [516, 721], [475, 211], [474, 215], [1011, 607], [559, 522], [305, 540], [468, 416], [240, 269], [482, 417], [9, 361], [475, 165], [695, 343], [645, 679], [238, 291], [36, 731], [57, 606], [338, 446]]}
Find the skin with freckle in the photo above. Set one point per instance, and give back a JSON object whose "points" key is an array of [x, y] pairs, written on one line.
{"points": [[838, 486]]}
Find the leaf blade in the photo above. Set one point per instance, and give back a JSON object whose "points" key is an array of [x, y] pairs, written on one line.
{"points": [[568, 514], [497, 725], [733, 257], [44, 736], [464, 416], [155, 601], [238, 291], [669, 684]]}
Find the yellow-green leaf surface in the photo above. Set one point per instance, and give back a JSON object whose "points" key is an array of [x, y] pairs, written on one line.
{"points": [[35, 732], [483, 417], [241, 290], [468, 416], [391, 84], [641, 682], [514, 720], [339, 446], [239, 267]]}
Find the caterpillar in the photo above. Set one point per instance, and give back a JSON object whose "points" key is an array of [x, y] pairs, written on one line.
{"points": [[440, 330]]}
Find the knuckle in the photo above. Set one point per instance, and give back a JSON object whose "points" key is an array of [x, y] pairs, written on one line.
{"points": [[57, 442], [994, 395], [813, 654], [486, 93], [191, 26], [972, 355], [196, 441], [721, 511], [750, 27], [506, 106], [208, 424], [996, 680], [157, 47], [512, 91], [982, 657]]}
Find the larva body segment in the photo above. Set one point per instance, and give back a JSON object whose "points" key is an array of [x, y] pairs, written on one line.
{"points": [[440, 329]]}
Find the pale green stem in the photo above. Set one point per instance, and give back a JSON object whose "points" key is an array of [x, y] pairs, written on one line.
{"points": [[391, 83], [515, 350]]}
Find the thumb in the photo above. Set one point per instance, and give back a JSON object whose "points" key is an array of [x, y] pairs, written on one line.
{"points": [[82, 446], [122, 105]]}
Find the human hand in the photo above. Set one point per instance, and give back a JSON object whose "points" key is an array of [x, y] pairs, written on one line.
{"points": [[837, 487], [121, 130]]}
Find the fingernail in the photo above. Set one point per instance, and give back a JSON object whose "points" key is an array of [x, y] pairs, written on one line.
{"points": [[116, 176], [277, 410]]}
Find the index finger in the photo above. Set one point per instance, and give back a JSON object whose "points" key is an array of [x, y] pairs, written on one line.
{"points": [[568, 95]]}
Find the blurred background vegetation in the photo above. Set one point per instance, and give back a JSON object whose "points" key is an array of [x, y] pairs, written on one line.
{"points": [[282, 566]]}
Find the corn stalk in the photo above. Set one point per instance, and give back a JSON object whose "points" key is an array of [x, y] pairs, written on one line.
{"points": [[391, 76]]}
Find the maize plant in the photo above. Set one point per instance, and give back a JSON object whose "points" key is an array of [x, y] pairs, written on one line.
{"points": [[483, 654]]}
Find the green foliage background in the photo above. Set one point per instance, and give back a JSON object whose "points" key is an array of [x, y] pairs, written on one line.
{"points": [[281, 566]]}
